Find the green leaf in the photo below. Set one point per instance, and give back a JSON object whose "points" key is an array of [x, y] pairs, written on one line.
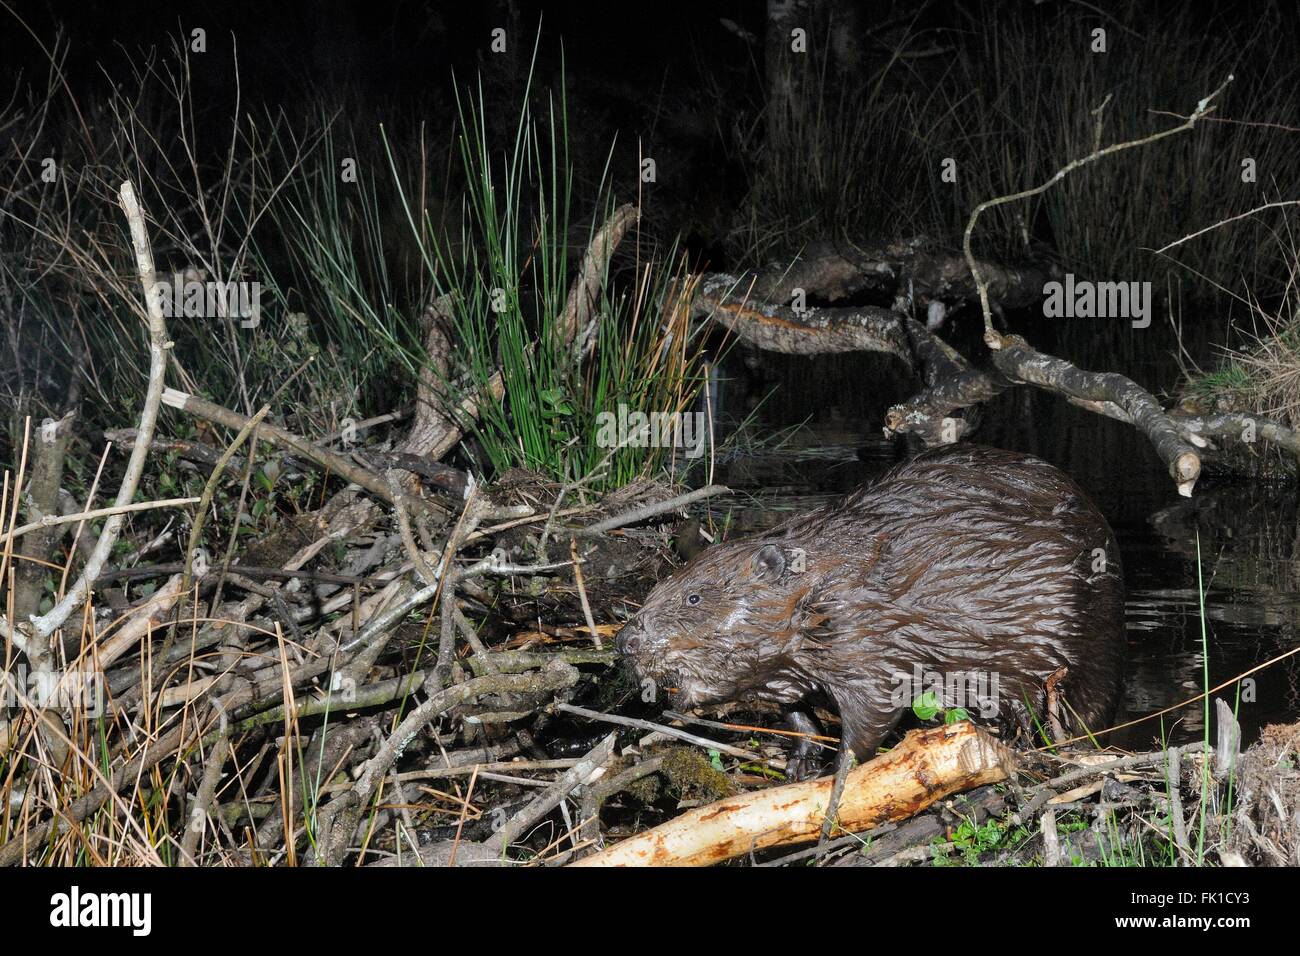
{"points": [[926, 706]]}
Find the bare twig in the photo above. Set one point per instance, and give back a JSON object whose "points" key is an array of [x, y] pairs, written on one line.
{"points": [[50, 521], [649, 511], [582, 772], [663, 729], [158, 348], [991, 337], [582, 594], [1223, 222], [198, 817]]}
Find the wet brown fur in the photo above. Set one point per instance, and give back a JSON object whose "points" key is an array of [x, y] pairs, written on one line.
{"points": [[965, 559]]}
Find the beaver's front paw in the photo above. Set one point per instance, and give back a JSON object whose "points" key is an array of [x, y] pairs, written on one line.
{"points": [[807, 758], [805, 765]]}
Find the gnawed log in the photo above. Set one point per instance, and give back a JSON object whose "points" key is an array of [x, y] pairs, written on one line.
{"points": [[934, 273], [952, 383], [926, 767]]}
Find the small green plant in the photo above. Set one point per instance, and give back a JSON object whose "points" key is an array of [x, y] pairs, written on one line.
{"points": [[971, 840], [928, 706]]}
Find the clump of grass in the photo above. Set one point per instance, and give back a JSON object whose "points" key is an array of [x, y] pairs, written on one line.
{"points": [[1230, 386], [508, 276], [346, 267], [1260, 374]]}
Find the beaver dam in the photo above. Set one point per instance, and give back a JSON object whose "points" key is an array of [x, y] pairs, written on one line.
{"points": [[793, 447]]}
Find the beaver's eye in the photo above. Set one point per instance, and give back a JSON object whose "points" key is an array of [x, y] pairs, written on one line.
{"points": [[692, 599]]}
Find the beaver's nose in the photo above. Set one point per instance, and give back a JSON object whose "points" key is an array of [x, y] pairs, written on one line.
{"points": [[629, 639]]}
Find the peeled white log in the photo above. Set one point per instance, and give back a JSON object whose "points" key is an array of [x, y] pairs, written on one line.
{"points": [[927, 766]]}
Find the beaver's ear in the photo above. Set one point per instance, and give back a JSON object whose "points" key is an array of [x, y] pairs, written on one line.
{"points": [[769, 562]]}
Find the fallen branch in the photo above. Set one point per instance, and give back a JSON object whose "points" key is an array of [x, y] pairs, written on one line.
{"points": [[577, 325], [1237, 425], [919, 269], [1019, 362], [642, 512], [951, 384], [664, 729], [779, 328]]}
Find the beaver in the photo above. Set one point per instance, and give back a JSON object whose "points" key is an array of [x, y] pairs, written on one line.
{"points": [[971, 572]]}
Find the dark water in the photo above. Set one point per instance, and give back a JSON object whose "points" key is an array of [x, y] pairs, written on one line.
{"points": [[1248, 530]]}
